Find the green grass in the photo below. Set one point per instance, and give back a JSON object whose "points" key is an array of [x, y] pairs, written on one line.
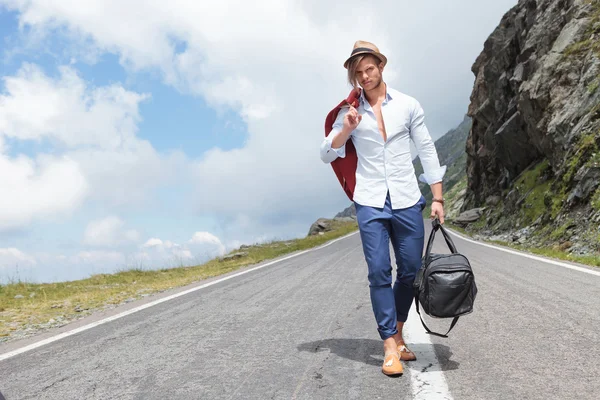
{"points": [[52, 300], [585, 153], [556, 234], [453, 194], [534, 206], [555, 201], [593, 261], [596, 200], [592, 87]]}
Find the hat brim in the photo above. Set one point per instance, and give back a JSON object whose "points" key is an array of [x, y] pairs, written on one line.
{"points": [[367, 51]]}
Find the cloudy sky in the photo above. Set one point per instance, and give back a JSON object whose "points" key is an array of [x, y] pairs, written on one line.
{"points": [[154, 134]]}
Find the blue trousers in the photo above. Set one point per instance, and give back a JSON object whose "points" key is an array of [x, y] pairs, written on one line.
{"points": [[405, 228]]}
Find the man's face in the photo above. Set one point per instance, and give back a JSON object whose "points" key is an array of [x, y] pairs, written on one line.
{"points": [[368, 73]]}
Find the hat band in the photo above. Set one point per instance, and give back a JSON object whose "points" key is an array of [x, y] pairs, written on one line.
{"points": [[360, 49]]}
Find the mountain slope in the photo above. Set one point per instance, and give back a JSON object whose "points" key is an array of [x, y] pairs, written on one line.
{"points": [[451, 152], [535, 140]]}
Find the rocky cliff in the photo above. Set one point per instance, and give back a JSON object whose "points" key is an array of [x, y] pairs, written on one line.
{"points": [[535, 139]]}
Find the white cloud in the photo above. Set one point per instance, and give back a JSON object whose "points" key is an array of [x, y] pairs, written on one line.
{"points": [[200, 248], [45, 187], [15, 265], [153, 242], [156, 253], [208, 242], [109, 232], [12, 256], [67, 112], [48, 267], [91, 132]]}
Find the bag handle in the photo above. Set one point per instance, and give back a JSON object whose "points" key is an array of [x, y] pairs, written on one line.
{"points": [[429, 331], [436, 225]]}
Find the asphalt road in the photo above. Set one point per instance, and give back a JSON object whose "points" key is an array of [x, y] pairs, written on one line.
{"points": [[303, 328]]}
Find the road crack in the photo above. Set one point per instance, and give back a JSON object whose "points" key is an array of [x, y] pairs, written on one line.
{"points": [[424, 369], [59, 381]]}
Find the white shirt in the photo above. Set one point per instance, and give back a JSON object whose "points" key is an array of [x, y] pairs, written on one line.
{"points": [[384, 166]]}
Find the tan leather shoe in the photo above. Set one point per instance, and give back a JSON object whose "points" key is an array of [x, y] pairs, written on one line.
{"points": [[405, 353], [392, 365]]}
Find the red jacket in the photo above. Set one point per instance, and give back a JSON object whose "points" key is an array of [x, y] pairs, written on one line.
{"points": [[345, 168]]}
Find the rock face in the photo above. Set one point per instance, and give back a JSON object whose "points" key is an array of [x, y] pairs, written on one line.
{"points": [[535, 94], [535, 108], [320, 225]]}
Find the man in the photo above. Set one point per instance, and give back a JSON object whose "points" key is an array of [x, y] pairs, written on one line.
{"points": [[388, 201]]}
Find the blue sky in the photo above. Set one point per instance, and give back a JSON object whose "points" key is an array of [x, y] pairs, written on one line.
{"points": [[171, 133], [171, 120]]}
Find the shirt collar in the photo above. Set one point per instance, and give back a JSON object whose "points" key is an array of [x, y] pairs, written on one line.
{"points": [[388, 96]]}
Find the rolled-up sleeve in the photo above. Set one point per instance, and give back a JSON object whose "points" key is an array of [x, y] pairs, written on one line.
{"points": [[432, 171], [328, 153]]}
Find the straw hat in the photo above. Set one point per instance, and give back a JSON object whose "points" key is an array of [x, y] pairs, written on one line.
{"points": [[362, 47]]}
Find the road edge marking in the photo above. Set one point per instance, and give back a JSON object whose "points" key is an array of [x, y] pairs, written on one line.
{"points": [[426, 376]]}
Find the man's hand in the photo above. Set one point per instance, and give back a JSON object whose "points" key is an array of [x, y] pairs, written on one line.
{"points": [[437, 209], [351, 119]]}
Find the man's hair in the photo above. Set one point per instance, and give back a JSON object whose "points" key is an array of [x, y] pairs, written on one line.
{"points": [[353, 64]]}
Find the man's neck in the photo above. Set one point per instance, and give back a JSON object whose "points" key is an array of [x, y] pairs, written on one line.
{"points": [[377, 94]]}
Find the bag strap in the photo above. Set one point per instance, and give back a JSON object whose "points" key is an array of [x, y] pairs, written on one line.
{"points": [[429, 331], [436, 225]]}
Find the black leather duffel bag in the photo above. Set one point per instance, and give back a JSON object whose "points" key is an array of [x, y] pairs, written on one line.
{"points": [[445, 284]]}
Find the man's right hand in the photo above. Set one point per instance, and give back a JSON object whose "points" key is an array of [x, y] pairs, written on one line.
{"points": [[351, 119]]}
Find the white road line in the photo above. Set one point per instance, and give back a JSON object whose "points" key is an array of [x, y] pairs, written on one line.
{"points": [[426, 376], [153, 303], [518, 253]]}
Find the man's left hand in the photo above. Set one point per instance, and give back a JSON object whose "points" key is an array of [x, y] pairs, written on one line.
{"points": [[437, 209]]}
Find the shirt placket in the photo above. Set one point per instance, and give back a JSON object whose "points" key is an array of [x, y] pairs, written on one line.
{"points": [[385, 146], [368, 109]]}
